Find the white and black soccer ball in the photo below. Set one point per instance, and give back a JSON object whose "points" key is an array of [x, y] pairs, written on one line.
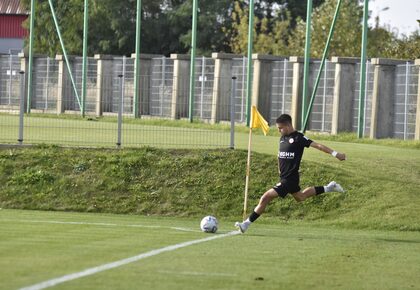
{"points": [[209, 224]]}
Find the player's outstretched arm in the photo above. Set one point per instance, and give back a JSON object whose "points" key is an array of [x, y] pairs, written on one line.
{"points": [[323, 148]]}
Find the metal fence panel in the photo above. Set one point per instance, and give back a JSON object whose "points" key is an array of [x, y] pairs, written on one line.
{"points": [[405, 101], [9, 80], [162, 86], [321, 116], [281, 90], [239, 70], [204, 82], [368, 97], [45, 84]]}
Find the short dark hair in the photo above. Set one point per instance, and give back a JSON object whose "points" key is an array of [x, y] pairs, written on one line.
{"points": [[284, 119]]}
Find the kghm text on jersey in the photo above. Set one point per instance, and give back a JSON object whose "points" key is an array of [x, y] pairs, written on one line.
{"points": [[287, 155]]}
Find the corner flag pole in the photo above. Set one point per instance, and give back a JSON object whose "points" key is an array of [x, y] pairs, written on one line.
{"points": [[248, 166], [257, 121]]}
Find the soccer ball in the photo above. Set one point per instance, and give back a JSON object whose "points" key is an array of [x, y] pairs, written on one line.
{"points": [[209, 224]]}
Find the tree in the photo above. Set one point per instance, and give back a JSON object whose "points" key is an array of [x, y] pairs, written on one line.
{"points": [[69, 14], [274, 22], [346, 40], [166, 26], [406, 48], [212, 17], [270, 32]]}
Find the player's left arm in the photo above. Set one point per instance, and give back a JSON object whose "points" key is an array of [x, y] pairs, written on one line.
{"points": [[323, 148]]}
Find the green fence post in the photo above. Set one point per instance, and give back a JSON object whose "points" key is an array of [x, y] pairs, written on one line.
{"points": [[307, 60], [31, 55], [324, 56], [361, 117], [192, 62], [85, 44], [137, 63], [65, 53], [249, 76]]}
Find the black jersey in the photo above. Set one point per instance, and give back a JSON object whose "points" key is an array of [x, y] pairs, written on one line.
{"points": [[290, 153]]}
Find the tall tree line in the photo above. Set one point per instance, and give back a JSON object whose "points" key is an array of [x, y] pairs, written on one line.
{"points": [[222, 27]]}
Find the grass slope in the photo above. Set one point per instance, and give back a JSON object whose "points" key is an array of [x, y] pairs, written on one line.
{"points": [[382, 183]]}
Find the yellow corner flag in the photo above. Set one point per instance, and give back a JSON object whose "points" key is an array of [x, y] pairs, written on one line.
{"points": [[258, 121]]}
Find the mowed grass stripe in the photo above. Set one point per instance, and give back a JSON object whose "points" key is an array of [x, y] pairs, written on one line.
{"points": [[271, 255], [116, 264], [34, 252]]}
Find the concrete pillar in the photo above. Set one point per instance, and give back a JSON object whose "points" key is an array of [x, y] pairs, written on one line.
{"points": [[382, 117], [222, 86], [297, 90], [262, 82], [104, 88], [181, 84], [24, 66], [63, 79], [145, 81], [417, 130], [345, 85]]}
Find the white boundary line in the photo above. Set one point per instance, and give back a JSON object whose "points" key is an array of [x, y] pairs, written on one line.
{"points": [[112, 265], [104, 225]]}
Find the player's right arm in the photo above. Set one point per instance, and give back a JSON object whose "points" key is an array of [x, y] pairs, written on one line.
{"points": [[321, 147]]}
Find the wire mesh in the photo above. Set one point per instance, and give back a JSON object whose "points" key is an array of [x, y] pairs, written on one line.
{"points": [[281, 90], [56, 116], [405, 101], [9, 81], [203, 91], [162, 87], [321, 115], [368, 97], [9, 98], [45, 85], [239, 70]]}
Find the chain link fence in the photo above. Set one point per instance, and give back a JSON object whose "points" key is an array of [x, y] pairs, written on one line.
{"points": [[321, 117], [281, 90], [164, 95], [405, 101], [370, 73], [9, 81]]}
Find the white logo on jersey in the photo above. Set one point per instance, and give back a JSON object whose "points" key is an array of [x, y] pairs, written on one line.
{"points": [[291, 140], [287, 155]]}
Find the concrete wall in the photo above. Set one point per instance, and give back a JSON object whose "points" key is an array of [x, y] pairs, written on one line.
{"points": [[382, 118], [181, 84], [343, 94], [262, 82], [222, 86]]}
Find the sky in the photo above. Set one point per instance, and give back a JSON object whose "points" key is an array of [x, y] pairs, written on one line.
{"points": [[399, 15]]}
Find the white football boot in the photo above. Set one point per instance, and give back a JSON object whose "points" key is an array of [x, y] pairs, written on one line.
{"points": [[334, 187], [242, 226]]}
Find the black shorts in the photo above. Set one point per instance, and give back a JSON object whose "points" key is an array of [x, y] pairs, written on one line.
{"points": [[289, 185]]}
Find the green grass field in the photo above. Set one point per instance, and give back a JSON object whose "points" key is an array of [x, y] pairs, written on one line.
{"points": [[40, 246], [367, 238], [75, 131]]}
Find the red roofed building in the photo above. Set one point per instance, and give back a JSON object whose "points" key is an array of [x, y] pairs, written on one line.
{"points": [[12, 34]]}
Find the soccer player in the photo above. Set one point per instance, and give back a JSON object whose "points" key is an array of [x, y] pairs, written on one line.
{"points": [[292, 144]]}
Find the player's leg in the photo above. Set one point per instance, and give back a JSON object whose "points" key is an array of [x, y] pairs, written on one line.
{"points": [[265, 199], [317, 190], [301, 195]]}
